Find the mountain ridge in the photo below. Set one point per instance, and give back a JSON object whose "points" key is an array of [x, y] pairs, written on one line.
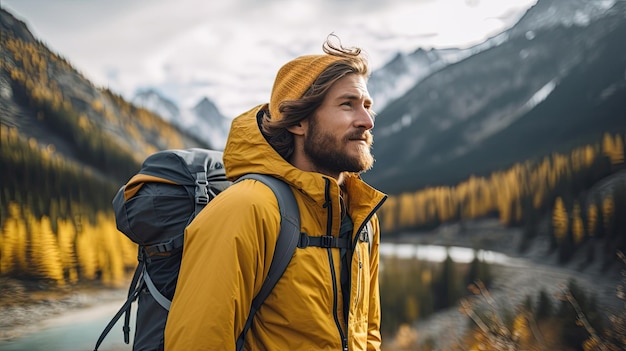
{"points": [[391, 82], [47, 100], [435, 121], [203, 120]]}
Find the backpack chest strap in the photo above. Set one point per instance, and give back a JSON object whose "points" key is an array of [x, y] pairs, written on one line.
{"points": [[323, 241], [164, 248]]}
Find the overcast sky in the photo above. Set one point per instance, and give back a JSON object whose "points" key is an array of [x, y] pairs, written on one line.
{"points": [[230, 50]]}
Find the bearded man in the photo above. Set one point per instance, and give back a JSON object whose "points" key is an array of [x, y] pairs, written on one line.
{"points": [[315, 135]]}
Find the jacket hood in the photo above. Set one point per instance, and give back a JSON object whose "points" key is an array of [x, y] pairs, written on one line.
{"points": [[247, 151]]}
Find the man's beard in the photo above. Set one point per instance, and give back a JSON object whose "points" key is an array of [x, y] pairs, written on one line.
{"points": [[330, 155]]}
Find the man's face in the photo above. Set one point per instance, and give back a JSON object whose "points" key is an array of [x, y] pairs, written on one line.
{"points": [[338, 138]]}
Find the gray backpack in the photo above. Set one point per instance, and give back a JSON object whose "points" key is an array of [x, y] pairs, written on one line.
{"points": [[154, 208]]}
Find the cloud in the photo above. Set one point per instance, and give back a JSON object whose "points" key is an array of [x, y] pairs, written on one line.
{"points": [[231, 50]]}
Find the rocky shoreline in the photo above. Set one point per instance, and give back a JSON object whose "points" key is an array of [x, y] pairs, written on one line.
{"points": [[26, 308], [537, 269]]}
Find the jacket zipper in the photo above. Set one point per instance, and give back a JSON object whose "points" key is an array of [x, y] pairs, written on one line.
{"points": [[344, 339], [328, 205], [358, 278], [329, 208], [358, 251]]}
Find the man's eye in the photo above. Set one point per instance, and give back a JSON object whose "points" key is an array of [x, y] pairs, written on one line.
{"points": [[347, 103]]}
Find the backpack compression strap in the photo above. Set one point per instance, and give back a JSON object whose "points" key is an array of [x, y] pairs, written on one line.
{"points": [[286, 243], [133, 293]]}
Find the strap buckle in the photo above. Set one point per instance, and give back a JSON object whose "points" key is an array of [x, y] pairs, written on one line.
{"points": [[202, 195], [327, 241], [303, 241], [164, 247], [324, 241]]}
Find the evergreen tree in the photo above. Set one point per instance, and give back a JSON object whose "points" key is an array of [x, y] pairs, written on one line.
{"points": [[446, 287], [560, 220], [544, 308], [479, 270]]}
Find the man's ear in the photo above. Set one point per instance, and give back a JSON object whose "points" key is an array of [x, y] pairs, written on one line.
{"points": [[299, 129]]}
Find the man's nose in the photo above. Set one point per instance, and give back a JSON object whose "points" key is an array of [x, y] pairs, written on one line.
{"points": [[365, 119]]}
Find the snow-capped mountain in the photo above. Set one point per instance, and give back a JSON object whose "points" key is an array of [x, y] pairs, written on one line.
{"points": [[403, 72], [551, 13], [151, 100], [208, 123], [534, 93], [204, 121], [406, 70]]}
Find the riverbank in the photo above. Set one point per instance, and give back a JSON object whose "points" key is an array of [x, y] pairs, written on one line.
{"points": [[27, 307], [489, 234], [535, 269]]}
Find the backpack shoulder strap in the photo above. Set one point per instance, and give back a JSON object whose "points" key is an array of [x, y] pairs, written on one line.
{"points": [[285, 244]]}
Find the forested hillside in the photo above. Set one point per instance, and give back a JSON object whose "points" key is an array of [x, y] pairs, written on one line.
{"points": [[582, 196], [67, 146]]}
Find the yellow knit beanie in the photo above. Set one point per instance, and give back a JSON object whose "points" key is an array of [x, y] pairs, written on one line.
{"points": [[295, 78]]}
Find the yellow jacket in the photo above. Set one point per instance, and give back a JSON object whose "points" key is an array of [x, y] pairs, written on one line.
{"points": [[228, 244]]}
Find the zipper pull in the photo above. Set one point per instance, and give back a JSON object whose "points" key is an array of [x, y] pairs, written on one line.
{"points": [[345, 344]]}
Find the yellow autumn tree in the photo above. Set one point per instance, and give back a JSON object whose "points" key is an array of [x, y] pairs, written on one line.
{"points": [[45, 250], [619, 149], [13, 241], [86, 253], [113, 249], [445, 202], [613, 148], [387, 214], [411, 307], [560, 223], [521, 329], [578, 229], [406, 215], [607, 212], [592, 219], [67, 240]]}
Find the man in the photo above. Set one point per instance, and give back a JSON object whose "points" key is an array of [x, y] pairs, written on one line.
{"points": [[315, 135]]}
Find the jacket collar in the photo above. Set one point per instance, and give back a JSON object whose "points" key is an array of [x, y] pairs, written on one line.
{"points": [[247, 151]]}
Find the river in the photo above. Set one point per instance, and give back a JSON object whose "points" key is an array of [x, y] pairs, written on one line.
{"points": [[437, 253], [77, 330]]}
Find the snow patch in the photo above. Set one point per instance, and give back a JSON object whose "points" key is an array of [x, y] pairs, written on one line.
{"points": [[540, 95], [496, 123]]}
